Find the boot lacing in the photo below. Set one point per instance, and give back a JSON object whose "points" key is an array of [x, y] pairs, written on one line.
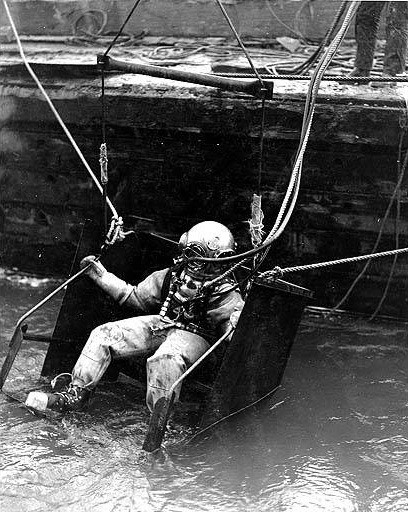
{"points": [[54, 380]]}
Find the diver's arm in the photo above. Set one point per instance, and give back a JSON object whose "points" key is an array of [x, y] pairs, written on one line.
{"points": [[118, 289], [145, 296], [225, 310]]}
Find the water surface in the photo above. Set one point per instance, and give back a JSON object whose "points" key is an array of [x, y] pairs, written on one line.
{"points": [[334, 437]]}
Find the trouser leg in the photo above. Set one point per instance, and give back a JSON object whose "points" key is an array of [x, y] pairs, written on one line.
{"points": [[366, 27], [177, 353], [125, 338], [396, 38]]}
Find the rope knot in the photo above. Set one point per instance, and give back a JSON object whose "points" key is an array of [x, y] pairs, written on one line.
{"points": [[116, 233], [275, 273], [256, 221], [103, 161]]}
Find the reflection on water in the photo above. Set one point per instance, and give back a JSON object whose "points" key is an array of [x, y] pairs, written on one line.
{"points": [[334, 437]]}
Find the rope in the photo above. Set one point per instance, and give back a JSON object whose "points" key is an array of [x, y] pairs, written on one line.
{"points": [[278, 272], [305, 66], [401, 171], [116, 233], [122, 27], [91, 13], [329, 78], [241, 44], [394, 261], [294, 184], [297, 33], [53, 109], [393, 196], [224, 418], [292, 191]]}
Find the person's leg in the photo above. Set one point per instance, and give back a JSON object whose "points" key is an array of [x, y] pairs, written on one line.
{"points": [[177, 353], [366, 27], [396, 38], [122, 339], [125, 338]]}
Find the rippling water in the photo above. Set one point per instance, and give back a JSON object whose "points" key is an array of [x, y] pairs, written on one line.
{"points": [[333, 438]]}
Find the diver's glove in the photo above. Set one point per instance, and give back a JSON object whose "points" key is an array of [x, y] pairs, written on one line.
{"points": [[233, 320], [108, 282]]}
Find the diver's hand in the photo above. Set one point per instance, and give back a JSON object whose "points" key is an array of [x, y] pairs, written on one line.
{"points": [[108, 282], [96, 269], [234, 318]]}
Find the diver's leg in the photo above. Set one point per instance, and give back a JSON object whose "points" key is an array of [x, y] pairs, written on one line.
{"points": [[122, 339], [132, 336], [177, 353]]}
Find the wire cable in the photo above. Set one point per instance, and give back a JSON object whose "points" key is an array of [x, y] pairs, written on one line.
{"points": [[379, 236], [122, 27]]}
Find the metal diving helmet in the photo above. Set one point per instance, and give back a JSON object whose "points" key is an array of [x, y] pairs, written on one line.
{"points": [[208, 239]]}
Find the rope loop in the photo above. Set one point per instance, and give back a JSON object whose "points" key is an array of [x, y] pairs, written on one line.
{"points": [[116, 232]]}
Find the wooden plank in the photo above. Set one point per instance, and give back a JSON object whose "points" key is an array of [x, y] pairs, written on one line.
{"points": [[198, 149]]}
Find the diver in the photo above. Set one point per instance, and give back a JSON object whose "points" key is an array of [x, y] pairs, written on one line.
{"points": [[182, 313], [396, 32]]}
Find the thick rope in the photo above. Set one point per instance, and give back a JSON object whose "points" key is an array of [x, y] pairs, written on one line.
{"points": [[305, 66], [289, 202], [294, 184], [53, 109]]}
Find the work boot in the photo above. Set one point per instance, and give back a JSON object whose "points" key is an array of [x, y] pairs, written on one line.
{"points": [[72, 399]]}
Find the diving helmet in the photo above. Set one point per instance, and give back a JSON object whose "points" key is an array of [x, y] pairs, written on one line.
{"points": [[207, 239]]}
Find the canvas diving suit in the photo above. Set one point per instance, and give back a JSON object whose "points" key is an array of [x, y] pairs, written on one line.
{"points": [[175, 338], [184, 309]]}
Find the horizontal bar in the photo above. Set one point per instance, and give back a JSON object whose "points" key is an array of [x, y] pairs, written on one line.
{"points": [[227, 84]]}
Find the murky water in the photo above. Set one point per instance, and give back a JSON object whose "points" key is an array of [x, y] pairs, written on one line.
{"points": [[333, 438]]}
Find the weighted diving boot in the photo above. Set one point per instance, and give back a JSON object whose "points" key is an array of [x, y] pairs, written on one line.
{"points": [[72, 399]]}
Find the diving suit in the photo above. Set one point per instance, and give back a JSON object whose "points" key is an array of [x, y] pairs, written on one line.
{"points": [[193, 314]]}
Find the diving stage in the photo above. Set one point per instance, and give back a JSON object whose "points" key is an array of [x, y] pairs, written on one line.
{"points": [[180, 153]]}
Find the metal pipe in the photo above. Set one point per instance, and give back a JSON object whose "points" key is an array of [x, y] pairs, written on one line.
{"points": [[227, 84]]}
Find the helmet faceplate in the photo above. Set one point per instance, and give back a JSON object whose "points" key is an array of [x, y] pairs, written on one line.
{"points": [[207, 239]]}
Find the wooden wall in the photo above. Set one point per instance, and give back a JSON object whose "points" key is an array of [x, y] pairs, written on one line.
{"points": [[181, 155]]}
